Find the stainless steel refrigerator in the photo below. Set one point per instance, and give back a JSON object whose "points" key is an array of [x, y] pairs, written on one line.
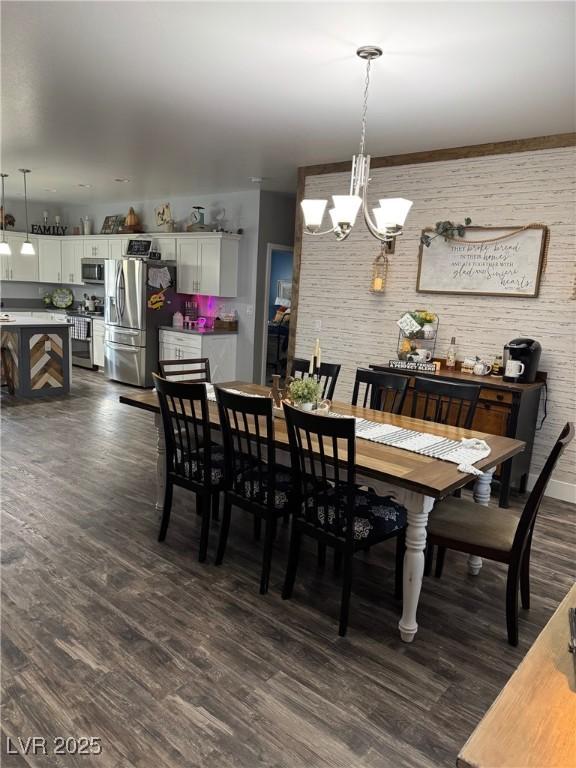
{"points": [[139, 297]]}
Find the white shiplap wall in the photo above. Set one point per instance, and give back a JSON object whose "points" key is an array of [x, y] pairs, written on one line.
{"points": [[359, 328]]}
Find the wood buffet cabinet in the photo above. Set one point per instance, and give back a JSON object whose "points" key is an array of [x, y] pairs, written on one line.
{"points": [[504, 408]]}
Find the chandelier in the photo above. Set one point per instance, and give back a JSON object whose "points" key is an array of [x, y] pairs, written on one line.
{"points": [[389, 216]]}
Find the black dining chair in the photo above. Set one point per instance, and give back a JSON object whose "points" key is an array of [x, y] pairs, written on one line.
{"points": [[496, 534], [332, 509], [328, 375], [253, 480], [379, 391], [191, 369], [193, 461], [444, 402]]}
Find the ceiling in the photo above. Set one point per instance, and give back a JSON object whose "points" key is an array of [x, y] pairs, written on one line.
{"points": [[189, 98]]}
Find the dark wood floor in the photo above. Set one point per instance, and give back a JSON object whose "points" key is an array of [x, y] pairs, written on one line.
{"points": [[107, 633]]}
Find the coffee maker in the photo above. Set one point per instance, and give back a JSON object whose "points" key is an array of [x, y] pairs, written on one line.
{"points": [[526, 352]]}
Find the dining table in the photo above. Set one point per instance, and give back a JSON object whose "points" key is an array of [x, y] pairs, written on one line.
{"points": [[417, 481]]}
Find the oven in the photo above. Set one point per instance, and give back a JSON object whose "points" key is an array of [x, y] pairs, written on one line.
{"points": [[93, 271]]}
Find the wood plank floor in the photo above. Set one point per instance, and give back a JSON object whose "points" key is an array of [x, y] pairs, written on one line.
{"points": [[173, 663]]}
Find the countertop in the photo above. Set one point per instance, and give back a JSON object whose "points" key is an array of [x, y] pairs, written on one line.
{"points": [[196, 332], [26, 322], [488, 381]]}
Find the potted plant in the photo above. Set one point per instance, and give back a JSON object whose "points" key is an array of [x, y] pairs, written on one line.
{"points": [[304, 393]]}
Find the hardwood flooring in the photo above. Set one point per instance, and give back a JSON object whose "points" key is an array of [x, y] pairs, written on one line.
{"points": [[172, 663]]}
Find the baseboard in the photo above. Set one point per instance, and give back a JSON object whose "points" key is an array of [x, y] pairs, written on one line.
{"points": [[557, 489]]}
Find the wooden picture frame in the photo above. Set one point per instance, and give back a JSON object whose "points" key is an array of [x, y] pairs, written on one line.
{"points": [[511, 266], [108, 225]]}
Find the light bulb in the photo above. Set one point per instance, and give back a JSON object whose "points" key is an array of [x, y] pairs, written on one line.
{"points": [[313, 211], [346, 208], [392, 212], [27, 249], [5, 249]]}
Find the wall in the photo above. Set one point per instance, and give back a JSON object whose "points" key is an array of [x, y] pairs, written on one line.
{"points": [[280, 269], [276, 226], [15, 206], [358, 328]]}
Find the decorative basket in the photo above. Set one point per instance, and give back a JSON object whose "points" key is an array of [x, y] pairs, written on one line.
{"points": [[225, 325]]}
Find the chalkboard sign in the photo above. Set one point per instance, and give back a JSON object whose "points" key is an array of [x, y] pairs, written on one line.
{"points": [[138, 247], [487, 261]]}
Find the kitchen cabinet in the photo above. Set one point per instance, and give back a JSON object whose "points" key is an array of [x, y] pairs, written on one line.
{"points": [[117, 248], [208, 265], [166, 246], [95, 248], [50, 260], [72, 253], [220, 349], [98, 342], [17, 267]]}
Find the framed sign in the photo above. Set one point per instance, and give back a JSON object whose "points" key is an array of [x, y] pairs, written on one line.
{"points": [[487, 261], [138, 247], [412, 365]]}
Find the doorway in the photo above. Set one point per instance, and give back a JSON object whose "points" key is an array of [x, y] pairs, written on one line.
{"points": [[277, 302]]}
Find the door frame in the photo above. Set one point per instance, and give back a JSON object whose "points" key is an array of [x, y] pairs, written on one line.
{"points": [[269, 248]]}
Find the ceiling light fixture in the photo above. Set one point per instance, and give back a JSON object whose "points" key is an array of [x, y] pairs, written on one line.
{"points": [[122, 181], [391, 213], [27, 247], [4, 246], [85, 186]]}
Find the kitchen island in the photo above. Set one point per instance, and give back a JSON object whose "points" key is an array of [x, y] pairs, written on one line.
{"points": [[35, 356]]}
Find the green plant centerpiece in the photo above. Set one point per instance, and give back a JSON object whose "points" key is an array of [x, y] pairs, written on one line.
{"points": [[446, 229], [304, 393]]}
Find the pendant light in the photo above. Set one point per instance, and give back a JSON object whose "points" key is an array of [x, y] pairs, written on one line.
{"points": [[4, 246], [27, 247], [389, 216]]}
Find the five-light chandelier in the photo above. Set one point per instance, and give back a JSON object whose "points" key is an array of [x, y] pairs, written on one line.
{"points": [[389, 216]]}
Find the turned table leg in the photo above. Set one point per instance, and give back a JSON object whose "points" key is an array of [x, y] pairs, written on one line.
{"points": [[418, 507], [160, 464], [481, 496]]}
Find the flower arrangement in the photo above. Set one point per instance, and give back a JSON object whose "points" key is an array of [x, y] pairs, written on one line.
{"points": [[422, 316], [304, 391]]}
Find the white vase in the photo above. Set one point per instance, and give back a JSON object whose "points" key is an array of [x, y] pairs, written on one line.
{"points": [[306, 406], [429, 330]]}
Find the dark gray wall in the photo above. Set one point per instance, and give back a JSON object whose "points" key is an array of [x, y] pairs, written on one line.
{"points": [[276, 225]]}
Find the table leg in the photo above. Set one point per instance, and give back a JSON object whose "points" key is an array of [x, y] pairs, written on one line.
{"points": [[481, 496], [160, 464], [418, 507]]}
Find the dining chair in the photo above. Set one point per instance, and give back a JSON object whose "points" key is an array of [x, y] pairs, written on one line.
{"points": [[328, 375], [192, 369], [496, 534], [444, 402], [253, 480], [331, 508], [193, 461], [379, 391]]}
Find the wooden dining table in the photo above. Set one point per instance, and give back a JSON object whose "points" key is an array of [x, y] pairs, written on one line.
{"points": [[415, 480]]}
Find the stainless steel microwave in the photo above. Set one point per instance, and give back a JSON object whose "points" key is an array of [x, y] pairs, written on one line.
{"points": [[92, 270]]}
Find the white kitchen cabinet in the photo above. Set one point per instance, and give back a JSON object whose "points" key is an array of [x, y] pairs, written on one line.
{"points": [[220, 349], [16, 266], [208, 265], [117, 248], [98, 342], [72, 253], [50, 260], [95, 248], [166, 246]]}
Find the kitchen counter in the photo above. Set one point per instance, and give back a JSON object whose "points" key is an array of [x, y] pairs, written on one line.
{"points": [[35, 356], [196, 332], [25, 321]]}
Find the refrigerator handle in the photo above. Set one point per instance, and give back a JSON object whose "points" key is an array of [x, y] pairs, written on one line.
{"points": [[119, 303]]}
